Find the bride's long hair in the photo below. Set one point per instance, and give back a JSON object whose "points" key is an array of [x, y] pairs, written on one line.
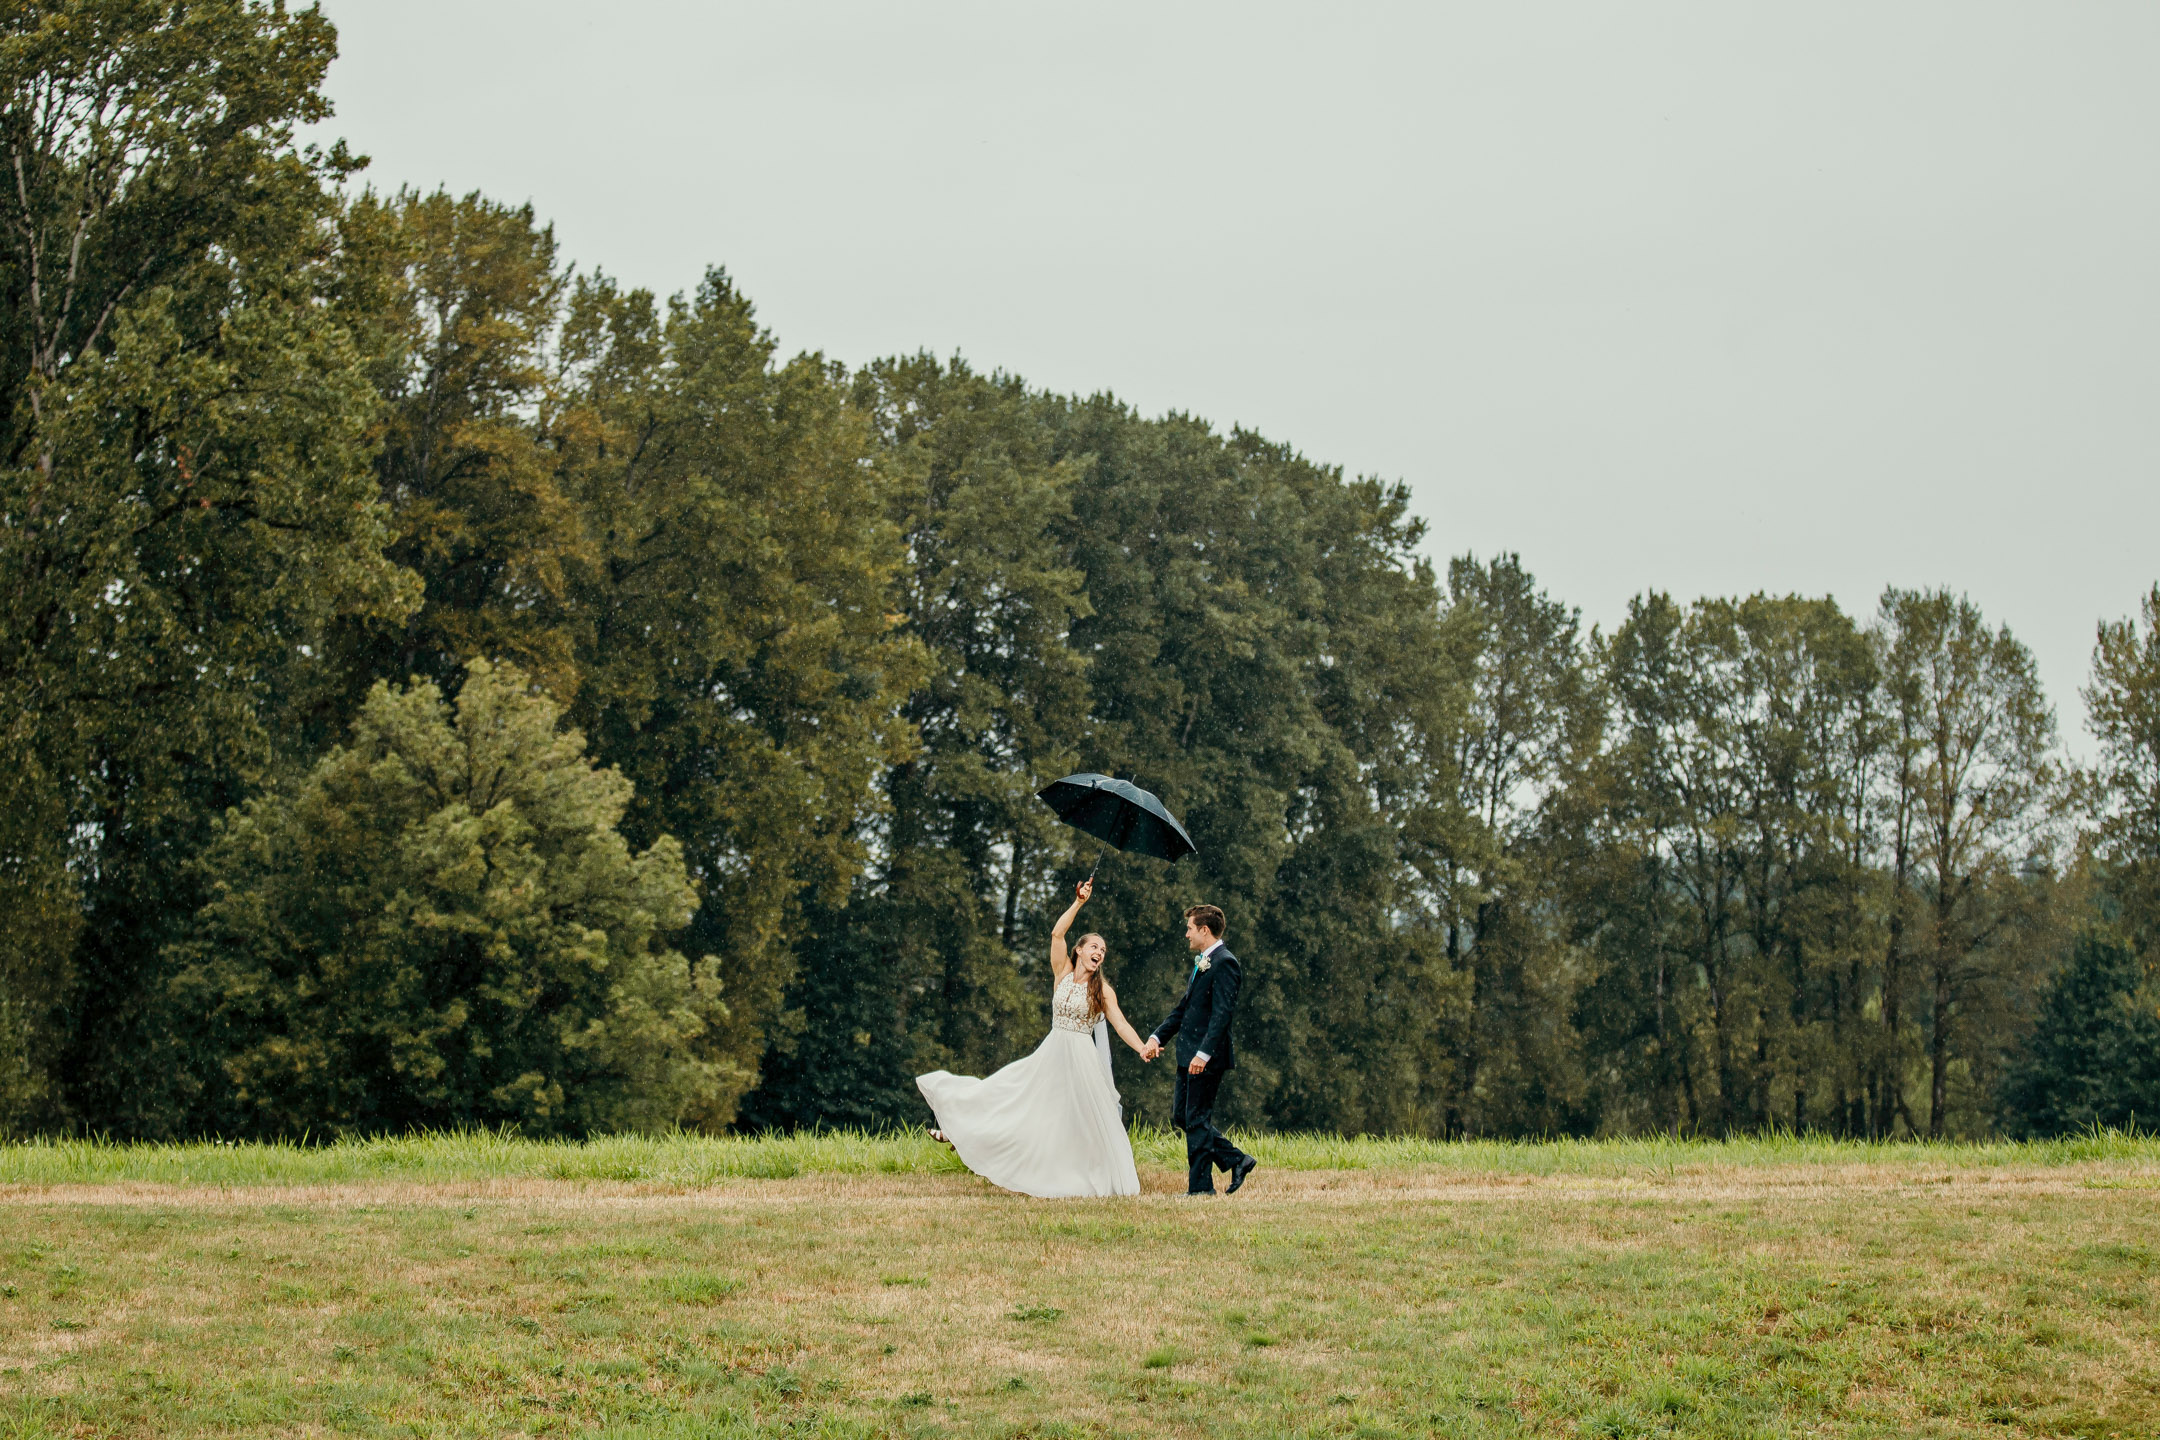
{"points": [[1094, 980]]}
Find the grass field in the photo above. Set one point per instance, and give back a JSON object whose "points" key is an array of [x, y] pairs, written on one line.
{"points": [[852, 1286]]}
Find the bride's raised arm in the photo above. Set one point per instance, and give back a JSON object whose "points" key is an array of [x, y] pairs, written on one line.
{"points": [[1060, 961], [1119, 1023]]}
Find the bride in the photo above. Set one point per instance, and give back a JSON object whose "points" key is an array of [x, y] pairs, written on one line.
{"points": [[1049, 1124]]}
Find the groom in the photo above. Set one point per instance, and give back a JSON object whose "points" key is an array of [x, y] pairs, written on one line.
{"points": [[1200, 1021]]}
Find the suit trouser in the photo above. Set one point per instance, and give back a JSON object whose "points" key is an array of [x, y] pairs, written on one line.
{"points": [[1192, 1109]]}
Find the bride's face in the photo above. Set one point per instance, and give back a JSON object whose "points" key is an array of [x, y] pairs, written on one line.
{"points": [[1089, 956]]}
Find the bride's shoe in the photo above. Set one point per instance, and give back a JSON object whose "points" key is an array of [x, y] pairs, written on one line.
{"points": [[941, 1137]]}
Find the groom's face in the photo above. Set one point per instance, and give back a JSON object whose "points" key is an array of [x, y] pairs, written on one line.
{"points": [[1197, 936]]}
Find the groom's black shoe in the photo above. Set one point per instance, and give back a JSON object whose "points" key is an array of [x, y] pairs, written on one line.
{"points": [[1244, 1168]]}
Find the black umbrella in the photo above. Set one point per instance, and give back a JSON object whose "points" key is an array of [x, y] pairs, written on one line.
{"points": [[1120, 812]]}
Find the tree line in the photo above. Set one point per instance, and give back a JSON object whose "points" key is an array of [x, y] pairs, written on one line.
{"points": [[442, 686]]}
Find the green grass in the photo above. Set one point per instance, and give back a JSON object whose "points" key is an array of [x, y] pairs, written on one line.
{"points": [[1357, 1290], [694, 1160]]}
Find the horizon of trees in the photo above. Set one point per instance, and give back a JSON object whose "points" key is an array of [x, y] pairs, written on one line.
{"points": [[445, 687]]}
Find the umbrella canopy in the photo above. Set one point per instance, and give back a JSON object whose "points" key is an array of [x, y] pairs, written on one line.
{"points": [[1120, 812]]}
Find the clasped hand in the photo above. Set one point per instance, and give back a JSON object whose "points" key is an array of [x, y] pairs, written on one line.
{"points": [[1154, 1047]]}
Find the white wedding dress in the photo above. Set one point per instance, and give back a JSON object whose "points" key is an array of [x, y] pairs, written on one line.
{"points": [[1049, 1124]]}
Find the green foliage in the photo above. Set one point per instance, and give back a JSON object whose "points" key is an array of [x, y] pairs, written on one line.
{"points": [[673, 530], [1266, 653], [739, 655], [456, 302], [1976, 790], [441, 925], [2123, 702], [924, 966], [1216, 615], [2093, 1058], [1730, 794], [1812, 862], [992, 595], [1485, 855], [183, 476]]}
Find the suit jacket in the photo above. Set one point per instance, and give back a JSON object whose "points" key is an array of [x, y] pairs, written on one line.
{"points": [[1200, 1021]]}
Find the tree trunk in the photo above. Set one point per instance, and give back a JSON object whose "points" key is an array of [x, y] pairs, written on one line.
{"points": [[1939, 1054], [1664, 1041], [1685, 1118], [1012, 894], [1721, 1057], [1941, 997], [1720, 1025], [1890, 1084]]}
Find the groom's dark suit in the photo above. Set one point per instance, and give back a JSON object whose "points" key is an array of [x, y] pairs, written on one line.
{"points": [[1200, 1024]]}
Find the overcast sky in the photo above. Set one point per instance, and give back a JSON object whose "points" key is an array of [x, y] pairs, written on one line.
{"points": [[1709, 298]]}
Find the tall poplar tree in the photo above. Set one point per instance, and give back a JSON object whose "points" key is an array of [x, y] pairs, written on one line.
{"points": [[1978, 786], [2123, 703], [1516, 1056]]}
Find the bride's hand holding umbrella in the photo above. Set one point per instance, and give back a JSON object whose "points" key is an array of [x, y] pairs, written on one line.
{"points": [[1059, 961]]}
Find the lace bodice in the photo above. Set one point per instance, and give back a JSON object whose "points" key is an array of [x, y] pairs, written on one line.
{"points": [[1069, 1007]]}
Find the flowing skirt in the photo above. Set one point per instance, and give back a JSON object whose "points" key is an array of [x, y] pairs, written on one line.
{"points": [[1047, 1125]]}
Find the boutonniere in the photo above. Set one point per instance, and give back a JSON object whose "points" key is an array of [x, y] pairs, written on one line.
{"points": [[1204, 963]]}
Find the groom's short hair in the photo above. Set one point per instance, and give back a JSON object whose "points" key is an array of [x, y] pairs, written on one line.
{"points": [[1210, 918]]}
